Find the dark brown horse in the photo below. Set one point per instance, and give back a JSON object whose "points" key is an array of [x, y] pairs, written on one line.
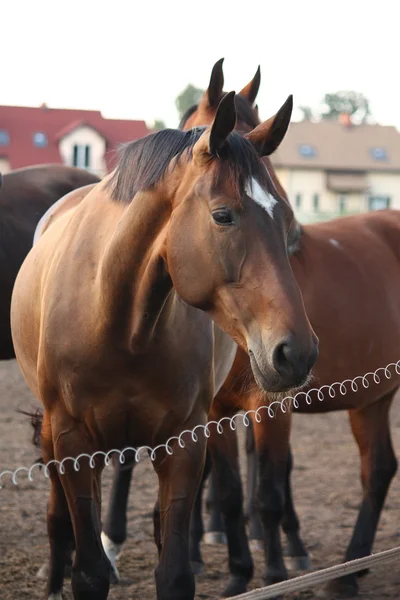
{"points": [[25, 196], [123, 320], [349, 274]]}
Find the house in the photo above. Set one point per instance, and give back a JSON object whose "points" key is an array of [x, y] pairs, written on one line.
{"points": [[330, 168], [82, 138]]}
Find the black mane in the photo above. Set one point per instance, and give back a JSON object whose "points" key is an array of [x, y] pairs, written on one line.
{"points": [[244, 110], [144, 162]]}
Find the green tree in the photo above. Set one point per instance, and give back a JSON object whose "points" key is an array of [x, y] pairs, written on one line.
{"points": [[307, 113], [346, 101], [158, 125], [188, 97]]}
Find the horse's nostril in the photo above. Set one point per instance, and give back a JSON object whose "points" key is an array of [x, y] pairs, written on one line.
{"points": [[282, 359]]}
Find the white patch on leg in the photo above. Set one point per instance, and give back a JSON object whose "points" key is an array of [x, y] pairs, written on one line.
{"points": [[334, 242], [112, 551], [57, 596], [43, 572], [264, 199]]}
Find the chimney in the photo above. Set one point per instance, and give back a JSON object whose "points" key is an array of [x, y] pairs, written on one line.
{"points": [[345, 119], [44, 106]]}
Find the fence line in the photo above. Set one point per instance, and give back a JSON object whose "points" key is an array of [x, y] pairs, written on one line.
{"points": [[284, 404], [320, 577]]}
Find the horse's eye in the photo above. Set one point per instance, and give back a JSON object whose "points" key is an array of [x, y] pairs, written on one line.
{"points": [[223, 216]]}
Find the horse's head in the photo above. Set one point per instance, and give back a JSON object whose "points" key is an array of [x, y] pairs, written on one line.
{"points": [[226, 246], [204, 112], [247, 119]]}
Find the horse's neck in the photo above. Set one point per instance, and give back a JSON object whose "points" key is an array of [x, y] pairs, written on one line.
{"points": [[135, 281]]}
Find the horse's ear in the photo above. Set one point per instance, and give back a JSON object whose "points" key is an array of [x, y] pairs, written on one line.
{"points": [[267, 137], [213, 139], [224, 123], [250, 91], [213, 94]]}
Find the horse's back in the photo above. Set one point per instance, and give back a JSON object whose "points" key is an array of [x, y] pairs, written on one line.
{"points": [[348, 270], [61, 207], [24, 196]]}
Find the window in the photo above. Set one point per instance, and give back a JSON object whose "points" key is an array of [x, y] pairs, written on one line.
{"points": [[40, 139], [379, 153], [342, 202], [316, 202], [81, 156], [307, 151], [378, 202], [297, 201], [4, 137]]}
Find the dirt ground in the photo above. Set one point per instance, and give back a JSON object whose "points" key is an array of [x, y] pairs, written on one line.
{"points": [[326, 489]]}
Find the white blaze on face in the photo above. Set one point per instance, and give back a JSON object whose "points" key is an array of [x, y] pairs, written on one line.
{"points": [[264, 199]]}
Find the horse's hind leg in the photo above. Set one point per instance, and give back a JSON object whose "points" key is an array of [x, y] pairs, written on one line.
{"points": [[91, 570], [371, 430], [115, 525], [59, 524]]}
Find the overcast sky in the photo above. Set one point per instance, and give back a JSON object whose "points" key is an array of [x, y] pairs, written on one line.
{"points": [[131, 58]]}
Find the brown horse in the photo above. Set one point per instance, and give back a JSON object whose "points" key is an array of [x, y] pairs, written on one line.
{"points": [[124, 316], [25, 196], [349, 274]]}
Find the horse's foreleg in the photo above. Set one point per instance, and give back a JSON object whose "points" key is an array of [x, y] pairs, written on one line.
{"points": [[115, 525], [224, 454], [215, 528], [371, 430], [179, 477], [297, 555], [272, 445], [196, 523], [251, 507]]}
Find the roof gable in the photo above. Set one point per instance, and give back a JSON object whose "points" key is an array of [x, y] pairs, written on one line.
{"points": [[22, 123]]}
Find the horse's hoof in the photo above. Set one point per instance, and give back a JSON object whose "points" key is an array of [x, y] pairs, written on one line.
{"points": [[297, 564], [68, 571], [115, 578], [237, 585], [362, 573], [256, 545], [197, 567], [274, 575], [43, 572], [344, 587], [214, 538]]}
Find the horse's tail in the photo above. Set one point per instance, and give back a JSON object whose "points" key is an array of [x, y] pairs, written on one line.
{"points": [[36, 420]]}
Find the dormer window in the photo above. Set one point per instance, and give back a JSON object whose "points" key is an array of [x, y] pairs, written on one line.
{"points": [[379, 153], [40, 139], [4, 137], [81, 156], [307, 151]]}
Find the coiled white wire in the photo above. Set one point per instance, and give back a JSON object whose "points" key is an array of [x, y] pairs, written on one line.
{"points": [[284, 404]]}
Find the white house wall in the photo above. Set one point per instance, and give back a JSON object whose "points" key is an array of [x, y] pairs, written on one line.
{"points": [[85, 136]]}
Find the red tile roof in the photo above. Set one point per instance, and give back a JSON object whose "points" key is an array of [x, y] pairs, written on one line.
{"points": [[22, 122]]}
